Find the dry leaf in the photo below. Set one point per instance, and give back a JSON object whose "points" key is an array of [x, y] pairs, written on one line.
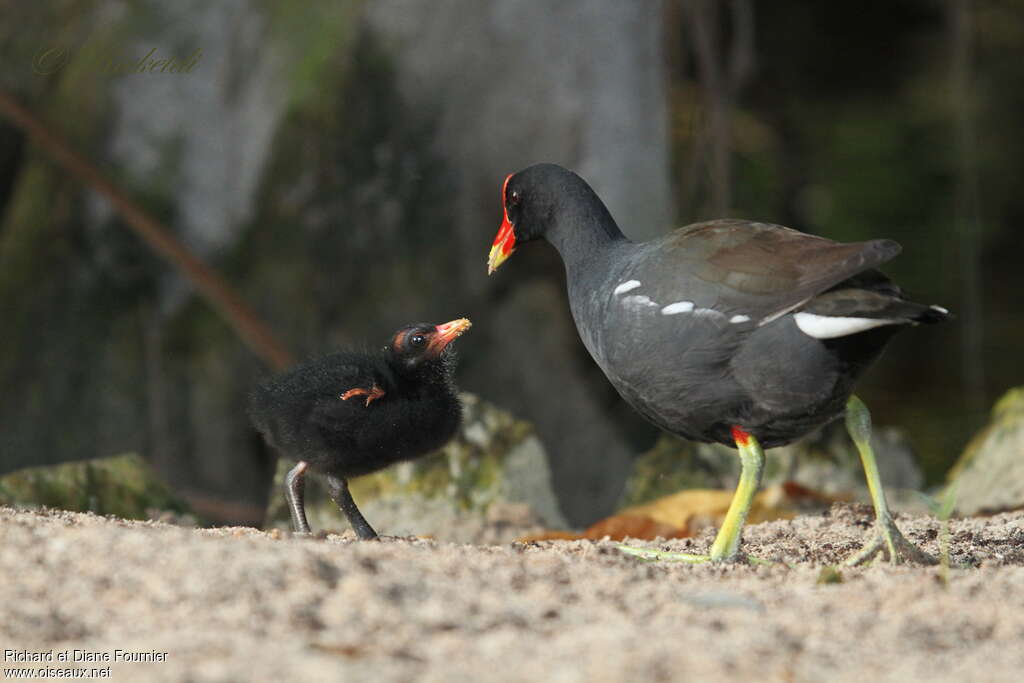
{"points": [[688, 512]]}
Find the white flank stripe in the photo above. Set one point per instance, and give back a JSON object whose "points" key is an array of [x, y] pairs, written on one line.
{"points": [[829, 327], [678, 307], [626, 286], [739, 318], [638, 300], [708, 313], [940, 309]]}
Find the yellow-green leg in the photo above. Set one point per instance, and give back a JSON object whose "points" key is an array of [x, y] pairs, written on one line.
{"points": [[727, 543], [887, 539]]}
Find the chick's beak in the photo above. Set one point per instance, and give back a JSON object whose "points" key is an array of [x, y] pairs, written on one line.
{"points": [[505, 241], [447, 333]]}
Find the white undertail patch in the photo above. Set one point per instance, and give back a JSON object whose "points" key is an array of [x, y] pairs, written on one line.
{"points": [[830, 327], [626, 286], [736, 319], [940, 309], [678, 307]]}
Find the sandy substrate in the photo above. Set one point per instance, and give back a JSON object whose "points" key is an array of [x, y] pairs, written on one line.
{"points": [[239, 604]]}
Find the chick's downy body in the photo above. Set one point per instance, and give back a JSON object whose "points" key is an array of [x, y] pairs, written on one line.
{"points": [[349, 414], [302, 413]]}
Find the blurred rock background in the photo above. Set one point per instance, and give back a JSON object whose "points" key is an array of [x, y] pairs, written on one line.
{"points": [[340, 164]]}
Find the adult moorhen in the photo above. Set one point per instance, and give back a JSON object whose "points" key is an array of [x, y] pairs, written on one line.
{"points": [[406, 407], [729, 331]]}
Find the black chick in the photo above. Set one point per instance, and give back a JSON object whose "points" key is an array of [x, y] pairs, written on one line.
{"points": [[349, 414]]}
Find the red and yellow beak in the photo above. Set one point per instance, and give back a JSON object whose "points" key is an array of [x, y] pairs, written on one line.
{"points": [[505, 242], [447, 333]]}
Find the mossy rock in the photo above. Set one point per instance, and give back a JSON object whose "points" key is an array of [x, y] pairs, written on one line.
{"points": [[495, 460], [675, 465], [825, 461], [124, 486], [989, 476]]}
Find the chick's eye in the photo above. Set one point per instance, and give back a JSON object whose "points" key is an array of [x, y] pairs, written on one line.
{"points": [[417, 339], [513, 197]]}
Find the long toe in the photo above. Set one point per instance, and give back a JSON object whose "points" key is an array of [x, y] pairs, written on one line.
{"points": [[669, 556], [888, 543], [662, 555]]}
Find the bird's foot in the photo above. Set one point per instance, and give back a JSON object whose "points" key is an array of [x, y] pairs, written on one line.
{"points": [[366, 533], [690, 558], [727, 542], [371, 394], [889, 543]]}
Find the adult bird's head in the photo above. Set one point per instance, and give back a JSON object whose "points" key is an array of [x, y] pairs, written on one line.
{"points": [[414, 345], [541, 200]]}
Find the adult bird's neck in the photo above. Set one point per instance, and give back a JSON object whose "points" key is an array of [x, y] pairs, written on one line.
{"points": [[585, 237]]}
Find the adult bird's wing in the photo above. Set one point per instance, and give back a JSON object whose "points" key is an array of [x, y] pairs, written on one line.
{"points": [[757, 269]]}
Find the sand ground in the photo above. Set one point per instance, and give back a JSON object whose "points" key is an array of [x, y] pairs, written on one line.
{"points": [[243, 605]]}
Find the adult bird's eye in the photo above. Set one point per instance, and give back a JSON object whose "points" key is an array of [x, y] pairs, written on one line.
{"points": [[513, 197], [417, 339]]}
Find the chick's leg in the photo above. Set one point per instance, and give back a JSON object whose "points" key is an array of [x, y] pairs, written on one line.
{"points": [[338, 490], [294, 493]]}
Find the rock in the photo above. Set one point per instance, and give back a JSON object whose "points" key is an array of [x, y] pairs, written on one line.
{"points": [[514, 61], [825, 462], [491, 483], [513, 64], [124, 486], [989, 476], [330, 166]]}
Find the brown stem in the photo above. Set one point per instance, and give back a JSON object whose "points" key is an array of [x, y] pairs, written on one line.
{"points": [[966, 202], [722, 74], [210, 285], [704, 29]]}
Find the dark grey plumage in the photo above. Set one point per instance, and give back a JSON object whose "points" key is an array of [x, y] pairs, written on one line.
{"points": [[707, 327]]}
